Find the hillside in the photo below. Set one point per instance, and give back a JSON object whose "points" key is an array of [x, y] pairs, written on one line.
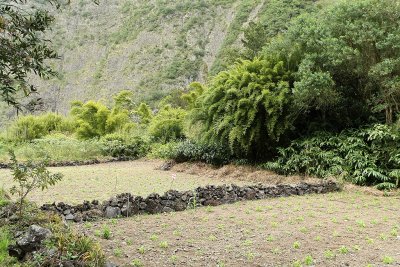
{"points": [[149, 47]]}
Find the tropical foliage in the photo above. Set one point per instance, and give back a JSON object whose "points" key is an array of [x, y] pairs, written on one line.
{"points": [[246, 108], [368, 156]]}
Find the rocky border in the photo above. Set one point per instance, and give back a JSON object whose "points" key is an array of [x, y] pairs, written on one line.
{"points": [[126, 205]]}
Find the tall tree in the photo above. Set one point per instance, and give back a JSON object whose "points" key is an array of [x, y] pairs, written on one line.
{"points": [[23, 47]]}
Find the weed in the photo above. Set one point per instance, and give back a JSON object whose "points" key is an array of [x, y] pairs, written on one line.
{"points": [[387, 260], [328, 254], [164, 244], [270, 238], [154, 237], [106, 232], [250, 256], [212, 238], [118, 252], [308, 260], [141, 249], [296, 245], [137, 263], [343, 250], [361, 223], [173, 258], [297, 263]]}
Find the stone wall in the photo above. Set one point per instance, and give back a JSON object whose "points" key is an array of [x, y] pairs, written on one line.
{"points": [[126, 205]]}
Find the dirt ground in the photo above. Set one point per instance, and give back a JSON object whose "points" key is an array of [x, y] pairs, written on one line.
{"points": [[102, 181], [338, 229], [240, 173]]}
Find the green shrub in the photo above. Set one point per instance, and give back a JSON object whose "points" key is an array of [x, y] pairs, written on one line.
{"points": [[27, 128], [368, 156], [163, 151], [190, 151], [91, 117], [28, 177], [167, 125], [118, 146]]}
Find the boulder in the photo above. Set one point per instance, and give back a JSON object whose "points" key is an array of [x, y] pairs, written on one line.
{"points": [[33, 238], [112, 212]]}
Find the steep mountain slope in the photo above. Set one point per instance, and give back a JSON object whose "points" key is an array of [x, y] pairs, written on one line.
{"points": [[149, 47]]}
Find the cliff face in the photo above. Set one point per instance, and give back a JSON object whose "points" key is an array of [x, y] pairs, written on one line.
{"points": [[149, 47]]}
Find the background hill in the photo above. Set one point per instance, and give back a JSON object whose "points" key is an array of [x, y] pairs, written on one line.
{"points": [[151, 47]]}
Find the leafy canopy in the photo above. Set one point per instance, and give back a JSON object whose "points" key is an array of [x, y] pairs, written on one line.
{"points": [[347, 59], [23, 48]]}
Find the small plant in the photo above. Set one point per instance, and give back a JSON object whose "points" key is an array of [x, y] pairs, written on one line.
{"points": [[164, 244], [296, 245], [193, 201], [118, 252], [154, 237], [250, 256], [209, 209], [369, 240], [28, 177], [173, 258], [361, 223], [270, 238], [141, 250], [328, 254], [308, 260], [317, 238], [212, 238], [387, 260], [394, 232], [343, 250], [297, 263], [106, 232], [137, 263]]}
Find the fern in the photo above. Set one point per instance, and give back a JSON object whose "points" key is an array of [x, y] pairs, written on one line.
{"points": [[245, 108]]}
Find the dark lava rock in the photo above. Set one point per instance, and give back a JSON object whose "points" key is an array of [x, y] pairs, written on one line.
{"points": [[33, 238], [112, 212]]}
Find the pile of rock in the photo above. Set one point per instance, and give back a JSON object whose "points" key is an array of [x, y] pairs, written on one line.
{"points": [[29, 241], [126, 205]]}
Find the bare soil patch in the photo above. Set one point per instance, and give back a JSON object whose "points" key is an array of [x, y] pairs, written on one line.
{"points": [[240, 173]]}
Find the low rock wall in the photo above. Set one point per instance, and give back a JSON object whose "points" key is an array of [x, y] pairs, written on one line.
{"points": [[126, 205]]}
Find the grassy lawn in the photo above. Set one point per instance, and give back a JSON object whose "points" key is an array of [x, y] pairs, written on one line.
{"points": [[338, 229], [105, 180]]}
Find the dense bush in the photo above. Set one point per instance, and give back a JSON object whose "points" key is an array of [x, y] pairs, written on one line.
{"points": [[369, 156], [168, 124], [31, 127], [191, 151], [246, 108], [124, 147]]}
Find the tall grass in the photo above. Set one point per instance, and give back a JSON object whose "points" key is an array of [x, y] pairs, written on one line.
{"points": [[56, 148]]}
